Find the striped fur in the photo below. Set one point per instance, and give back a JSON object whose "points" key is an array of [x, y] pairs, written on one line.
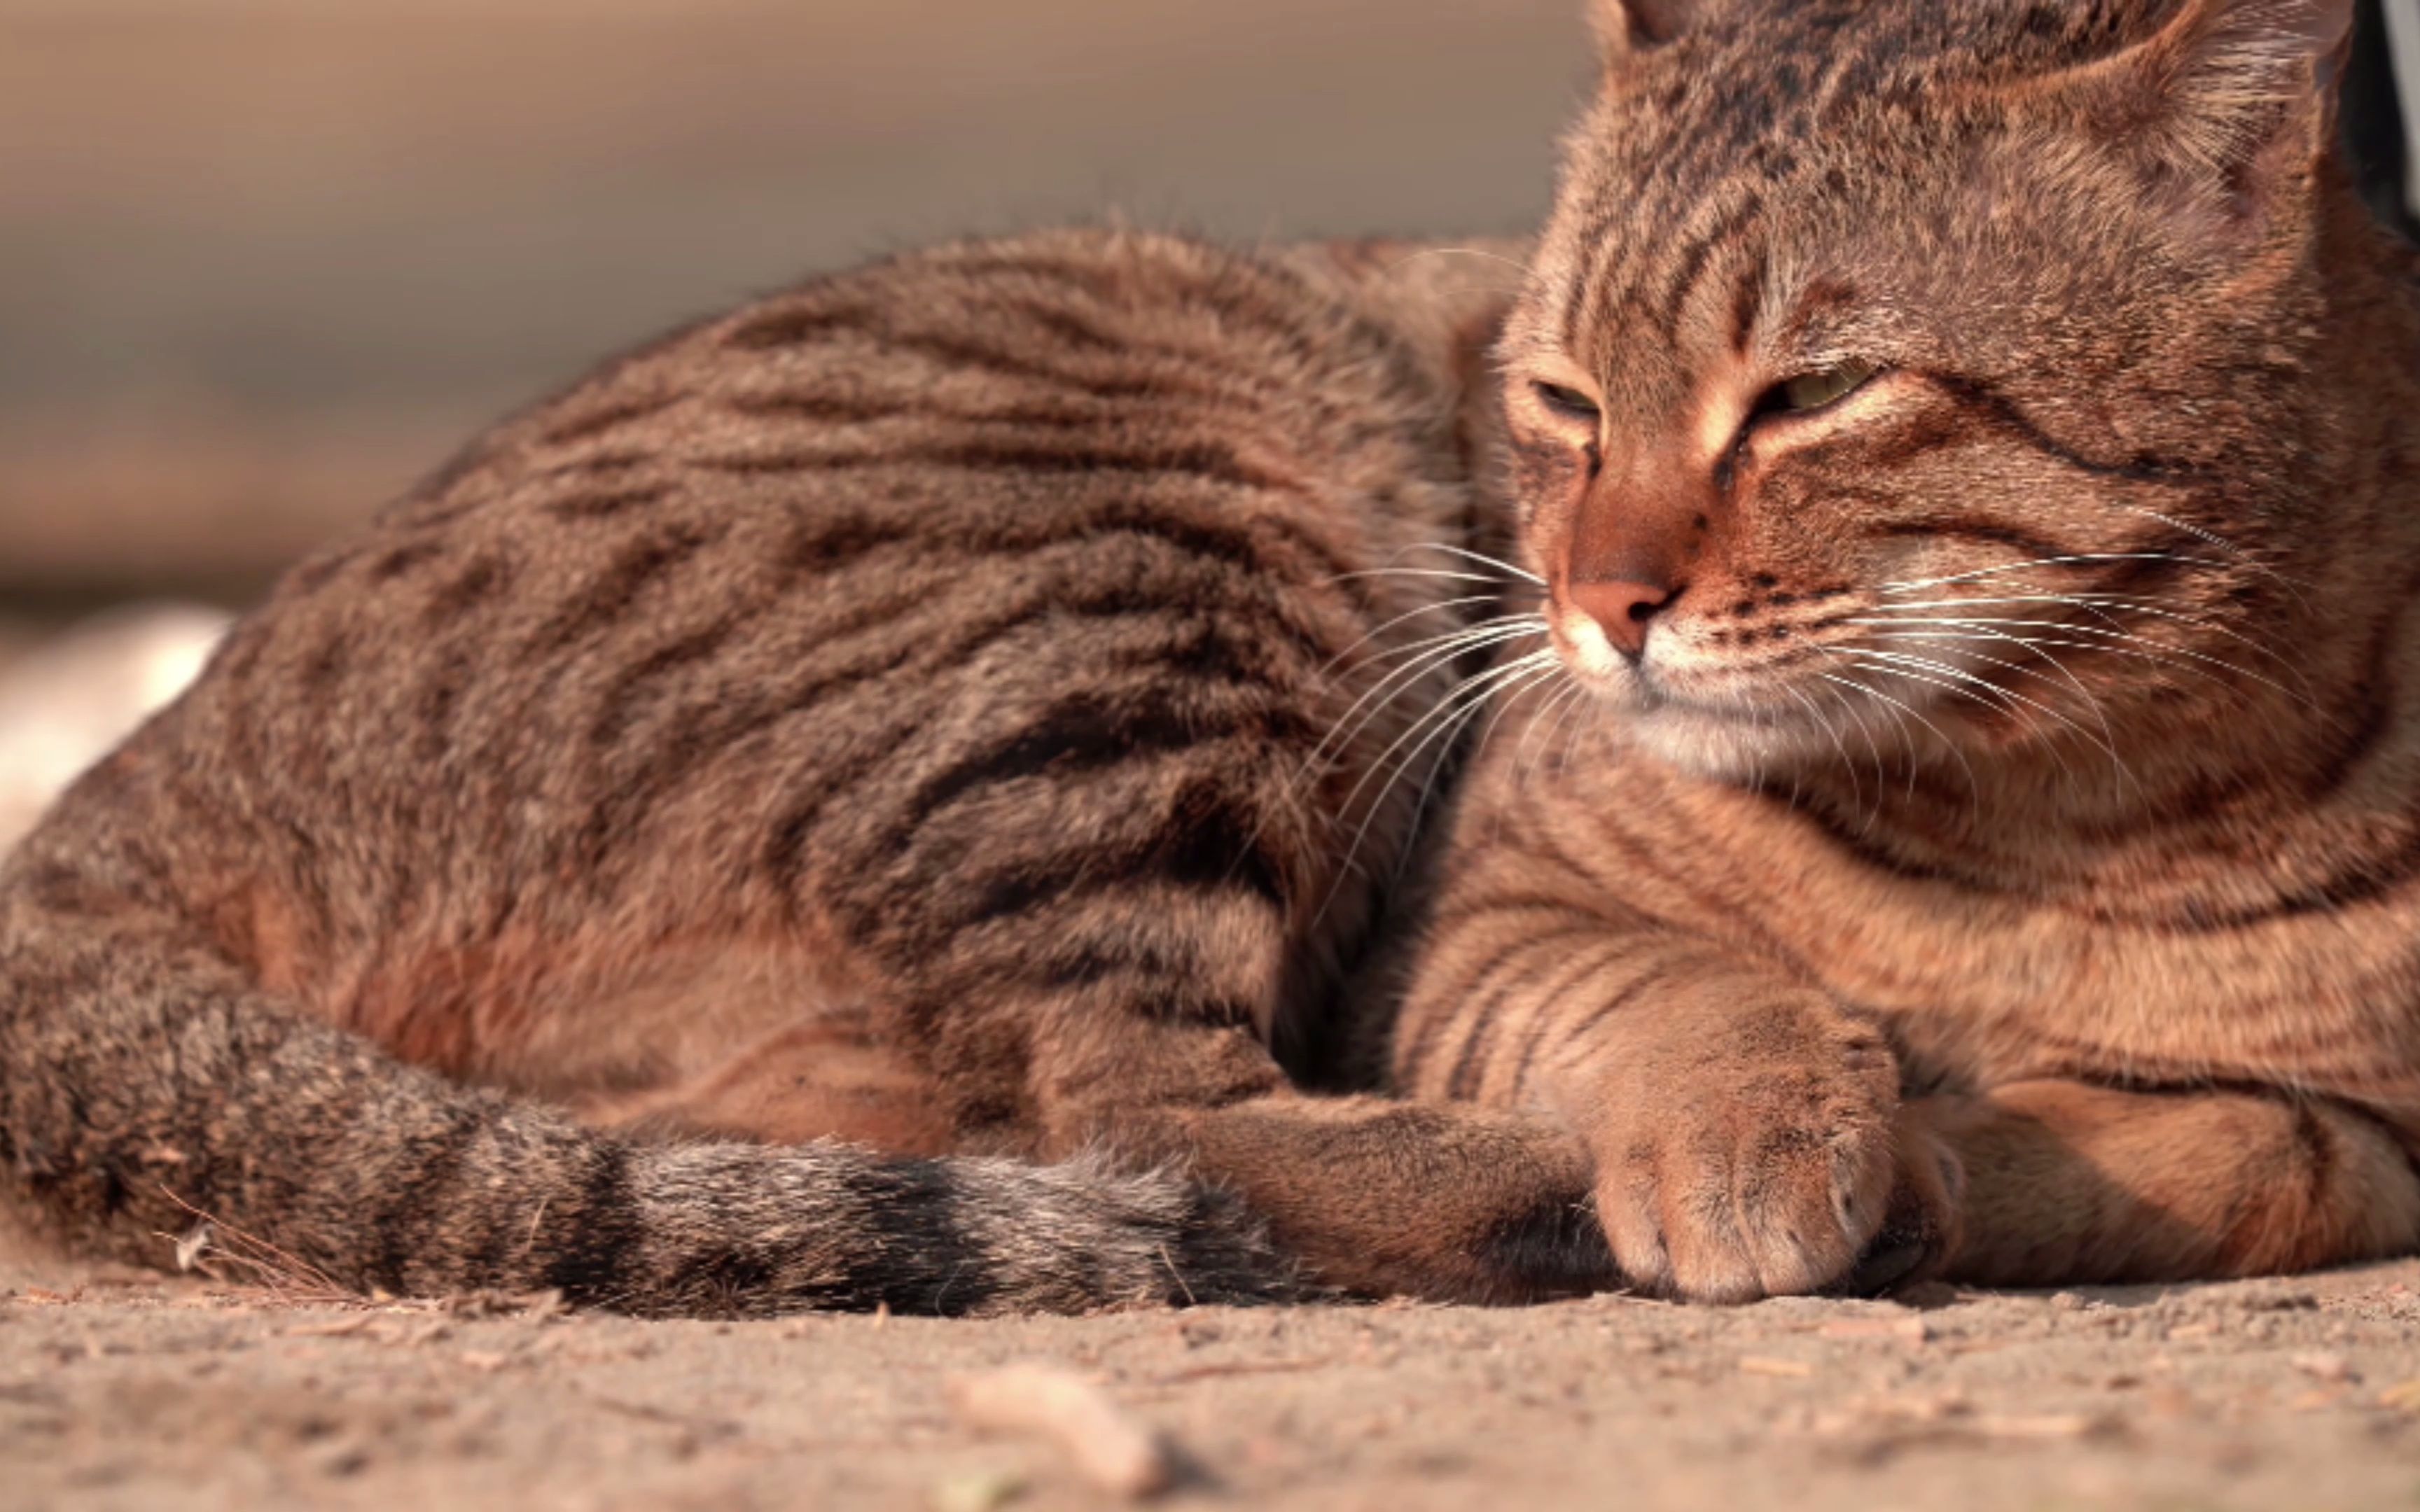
{"points": [[705, 847], [2001, 852]]}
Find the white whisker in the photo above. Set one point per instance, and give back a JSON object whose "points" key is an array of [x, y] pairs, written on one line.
{"points": [[1374, 703], [2024, 644], [1947, 743], [2081, 561], [1481, 558], [1505, 697], [1856, 788], [2065, 627], [1954, 680], [1448, 714], [1450, 574], [2010, 698], [1573, 689], [1478, 628], [1570, 729], [2210, 538], [1333, 662], [2101, 605]]}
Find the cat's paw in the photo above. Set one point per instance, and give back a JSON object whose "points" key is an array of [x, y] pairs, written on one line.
{"points": [[1752, 1155], [1923, 1225]]}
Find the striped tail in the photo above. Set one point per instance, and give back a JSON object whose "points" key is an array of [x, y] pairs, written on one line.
{"points": [[144, 1082]]}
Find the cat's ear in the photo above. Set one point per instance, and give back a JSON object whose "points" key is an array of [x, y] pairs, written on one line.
{"points": [[1625, 26], [2239, 95]]}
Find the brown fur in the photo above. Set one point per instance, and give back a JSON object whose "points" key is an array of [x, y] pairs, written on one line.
{"points": [[2004, 855], [944, 712], [896, 724]]}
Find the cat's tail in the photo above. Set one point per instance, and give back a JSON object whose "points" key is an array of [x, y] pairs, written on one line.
{"points": [[146, 1087]]}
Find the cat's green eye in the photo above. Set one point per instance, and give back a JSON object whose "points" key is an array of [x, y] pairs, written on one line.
{"points": [[1569, 403], [1813, 391]]}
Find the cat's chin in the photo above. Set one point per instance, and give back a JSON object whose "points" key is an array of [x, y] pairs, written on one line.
{"points": [[1728, 744]]}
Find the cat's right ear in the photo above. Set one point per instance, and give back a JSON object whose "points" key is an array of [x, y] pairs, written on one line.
{"points": [[2233, 95], [1627, 26]]}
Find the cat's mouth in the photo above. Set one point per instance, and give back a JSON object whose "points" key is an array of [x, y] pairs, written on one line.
{"points": [[1696, 699], [1717, 721]]}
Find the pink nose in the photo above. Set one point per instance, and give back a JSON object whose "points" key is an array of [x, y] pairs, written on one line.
{"points": [[1622, 610]]}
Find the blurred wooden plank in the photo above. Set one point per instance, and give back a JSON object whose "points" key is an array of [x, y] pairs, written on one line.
{"points": [[258, 207], [93, 509], [264, 261]]}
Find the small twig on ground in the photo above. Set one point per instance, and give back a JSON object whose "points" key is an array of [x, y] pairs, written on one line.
{"points": [[214, 1244], [1109, 1449], [1239, 1368]]}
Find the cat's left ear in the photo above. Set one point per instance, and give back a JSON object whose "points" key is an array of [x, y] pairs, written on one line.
{"points": [[1627, 26], [2237, 95]]}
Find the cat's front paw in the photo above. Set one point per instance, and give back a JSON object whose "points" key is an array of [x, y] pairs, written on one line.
{"points": [[1742, 1156], [1923, 1225]]}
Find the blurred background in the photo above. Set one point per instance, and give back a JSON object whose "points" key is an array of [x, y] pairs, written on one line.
{"points": [[264, 261]]}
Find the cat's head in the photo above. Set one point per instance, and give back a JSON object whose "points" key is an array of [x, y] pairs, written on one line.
{"points": [[1942, 365]]}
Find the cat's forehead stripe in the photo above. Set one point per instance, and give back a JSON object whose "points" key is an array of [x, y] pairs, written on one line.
{"points": [[1681, 163]]}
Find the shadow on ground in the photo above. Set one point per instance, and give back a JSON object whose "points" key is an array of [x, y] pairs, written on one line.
{"points": [[126, 1390]]}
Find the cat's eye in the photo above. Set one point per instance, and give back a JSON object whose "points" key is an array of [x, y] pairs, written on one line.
{"points": [[1568, 403], [1826, 386]]}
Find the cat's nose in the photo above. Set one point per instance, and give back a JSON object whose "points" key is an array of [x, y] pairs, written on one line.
{"points": [[1622, 610]]}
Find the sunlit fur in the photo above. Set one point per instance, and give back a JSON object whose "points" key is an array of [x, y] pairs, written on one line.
{"points": [[2041, 707], [966, 707], [2107, 378]]}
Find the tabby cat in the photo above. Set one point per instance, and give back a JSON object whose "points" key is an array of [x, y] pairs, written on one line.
{"points": [[699, 851], [705, 849], [1971, 449]]}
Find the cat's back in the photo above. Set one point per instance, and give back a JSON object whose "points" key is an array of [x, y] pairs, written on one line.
{"points": [[746, 606]]}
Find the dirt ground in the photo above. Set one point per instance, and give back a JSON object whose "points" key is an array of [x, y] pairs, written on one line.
{"points": [[124, 1390]]}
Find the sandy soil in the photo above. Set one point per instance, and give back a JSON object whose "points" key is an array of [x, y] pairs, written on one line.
{"points": [[122, 1391]]}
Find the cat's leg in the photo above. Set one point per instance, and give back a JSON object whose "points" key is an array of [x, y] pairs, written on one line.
{"points": [[1372, 1196], [2068, 1182], [819, 1079], [1369, 1194], [1746, 1129], [1088, 920], [1132, 1016], [1380, 1197]]}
